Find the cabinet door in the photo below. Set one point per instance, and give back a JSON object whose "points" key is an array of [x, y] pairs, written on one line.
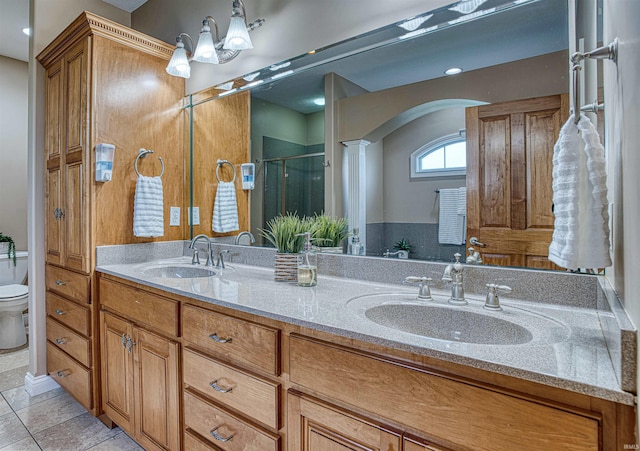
{"points": [[157, 391], [415, 444], [76, 159], [53, 160], [117, 371], [315, 426]]}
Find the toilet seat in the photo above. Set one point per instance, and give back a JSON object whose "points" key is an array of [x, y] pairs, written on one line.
{"points": [[11, 295]]}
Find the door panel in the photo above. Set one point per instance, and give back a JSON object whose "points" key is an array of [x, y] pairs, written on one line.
{"points": [[76, 219], [509, 166]]}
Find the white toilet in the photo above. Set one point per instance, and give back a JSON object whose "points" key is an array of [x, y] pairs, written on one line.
{"points": [[14, 299]]}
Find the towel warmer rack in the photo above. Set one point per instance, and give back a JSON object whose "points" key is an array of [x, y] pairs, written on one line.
{"points": [[220, 163], [142, 153], [607, 52]]}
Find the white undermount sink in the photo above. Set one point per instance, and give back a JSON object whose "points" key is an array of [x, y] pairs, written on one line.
{"points": [[465, 324], [179, 272]]}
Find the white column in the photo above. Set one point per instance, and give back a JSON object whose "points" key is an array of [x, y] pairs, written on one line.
{"points": [[356, 183]]}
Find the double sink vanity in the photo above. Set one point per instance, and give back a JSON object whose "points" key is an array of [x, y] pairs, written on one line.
{"points": [[196, 357]]}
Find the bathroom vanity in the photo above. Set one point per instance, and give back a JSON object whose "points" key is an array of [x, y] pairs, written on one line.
{"points": [[246, 363]]}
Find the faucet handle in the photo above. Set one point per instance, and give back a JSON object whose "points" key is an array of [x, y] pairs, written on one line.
{"points": [[492, 302], [195, 260], [424, 293]]}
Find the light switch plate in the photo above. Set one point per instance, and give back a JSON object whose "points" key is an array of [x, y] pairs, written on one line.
{"points": [[195, 214], [174, 220]]}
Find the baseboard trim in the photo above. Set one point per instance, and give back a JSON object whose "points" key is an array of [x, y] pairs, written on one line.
{"points": [[36, 385]]}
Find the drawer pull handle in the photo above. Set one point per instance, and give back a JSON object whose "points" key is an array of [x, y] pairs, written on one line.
{"points": [[61, 282], [217, 339], [130, 344], [63, 373], [219, 437], [123, 340], [61, 340], [60, 312], [218, 388]]}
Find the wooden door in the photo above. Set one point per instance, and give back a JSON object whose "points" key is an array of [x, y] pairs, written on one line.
{"points": [[76, 171], [157, 391], [54, 85], [117, 371], [315, 426], [509, 166]]}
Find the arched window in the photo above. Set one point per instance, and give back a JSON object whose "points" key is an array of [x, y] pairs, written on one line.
{"points": [[443, 157]]}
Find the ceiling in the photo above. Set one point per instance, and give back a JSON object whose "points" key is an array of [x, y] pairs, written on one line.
{"points": [[15, 16]]}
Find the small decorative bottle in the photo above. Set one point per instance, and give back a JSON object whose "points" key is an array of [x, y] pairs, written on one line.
{"points": [[355, 248], [307, 263]]}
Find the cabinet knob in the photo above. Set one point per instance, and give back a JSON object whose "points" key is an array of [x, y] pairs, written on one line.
{"points": [[217, 339], [63, 373], [130, 344], [61, 282], [61, 340], [58, 213], [60, 312], [218, 388], [219, 437], [123, 340]]}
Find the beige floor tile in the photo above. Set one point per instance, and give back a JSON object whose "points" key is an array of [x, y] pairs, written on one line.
{"points": [[79, 433], [13, 378], [5, 408], [14, 360], [27, 444], [11, 430], [49, 413], [121, 442], [18, 398]]}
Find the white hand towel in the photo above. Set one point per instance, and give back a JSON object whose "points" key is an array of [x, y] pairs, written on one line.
{"points": [[451, 229], [225, 208], [148, 207], [581, 228], [462, 200]]}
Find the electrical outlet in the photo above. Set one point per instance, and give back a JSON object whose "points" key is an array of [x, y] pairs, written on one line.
{"points": [[194, 213], [174, 220]]}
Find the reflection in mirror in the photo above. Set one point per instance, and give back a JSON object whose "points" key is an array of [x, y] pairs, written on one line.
{"points": [[387, 96]]}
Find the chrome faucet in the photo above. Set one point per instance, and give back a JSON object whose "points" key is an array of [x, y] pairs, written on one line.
{"points": [[389, 253], [220, 262], [453, 273], [245, 233], [196, 259]]}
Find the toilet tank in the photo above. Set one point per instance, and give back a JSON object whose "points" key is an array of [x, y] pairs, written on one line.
{"points": [[9, 273]]}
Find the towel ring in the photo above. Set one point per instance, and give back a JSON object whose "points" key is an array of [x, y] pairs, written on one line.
{"points": [[143, 153], [220, 163]]}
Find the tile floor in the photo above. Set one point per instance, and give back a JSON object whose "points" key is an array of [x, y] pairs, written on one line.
{"points": [[50, 421]]}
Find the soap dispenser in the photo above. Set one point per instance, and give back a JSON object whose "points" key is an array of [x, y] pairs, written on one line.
{"points": [[355, 248], [307, 263]]}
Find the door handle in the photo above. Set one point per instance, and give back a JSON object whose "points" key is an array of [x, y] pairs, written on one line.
{"points": [[474, 242]]}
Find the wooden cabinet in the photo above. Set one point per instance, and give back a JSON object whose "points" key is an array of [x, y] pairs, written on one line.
{"points": [[140, 383], [227, 404], [93, 88], [317, 426]]}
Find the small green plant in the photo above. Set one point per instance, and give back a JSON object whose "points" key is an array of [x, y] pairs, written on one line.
{"points": [[328, 231], [281, 232], [11, 252], [402, 245]]}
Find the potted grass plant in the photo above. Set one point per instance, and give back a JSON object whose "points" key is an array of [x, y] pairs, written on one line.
{"points": [[329, 233], [281, 232], [403, 247], [7, 245]]}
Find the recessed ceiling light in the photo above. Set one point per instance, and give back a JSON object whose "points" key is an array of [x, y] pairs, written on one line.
{"points": [[453, 71], [27, 31], [319, 101]]}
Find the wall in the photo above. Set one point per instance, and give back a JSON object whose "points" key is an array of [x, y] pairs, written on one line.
{"points": [[622, 134], [292, 27], [13, 149]]}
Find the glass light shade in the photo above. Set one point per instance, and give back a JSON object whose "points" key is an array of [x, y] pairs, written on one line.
{"points": [[206, 49], [179, 64], [237, 37]]}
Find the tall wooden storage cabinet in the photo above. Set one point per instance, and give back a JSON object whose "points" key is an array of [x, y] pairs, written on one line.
{"points": [[105, 83]]}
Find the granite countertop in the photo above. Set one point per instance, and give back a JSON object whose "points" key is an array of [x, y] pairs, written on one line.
{"points": [[567, 348]]}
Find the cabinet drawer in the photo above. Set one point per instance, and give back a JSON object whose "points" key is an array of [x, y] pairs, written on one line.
{"points": [[206, 420], [68, 283], [72, 376], [142, 307], [69, 341], [243, 392], [439, 406], [247, 344], [67, 312], [193, 443]]}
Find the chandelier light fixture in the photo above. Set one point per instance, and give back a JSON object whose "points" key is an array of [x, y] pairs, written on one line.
{"points": [[211, 48]]}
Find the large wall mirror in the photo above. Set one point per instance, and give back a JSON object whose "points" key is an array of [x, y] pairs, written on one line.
{"points": [[381, 107]]}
